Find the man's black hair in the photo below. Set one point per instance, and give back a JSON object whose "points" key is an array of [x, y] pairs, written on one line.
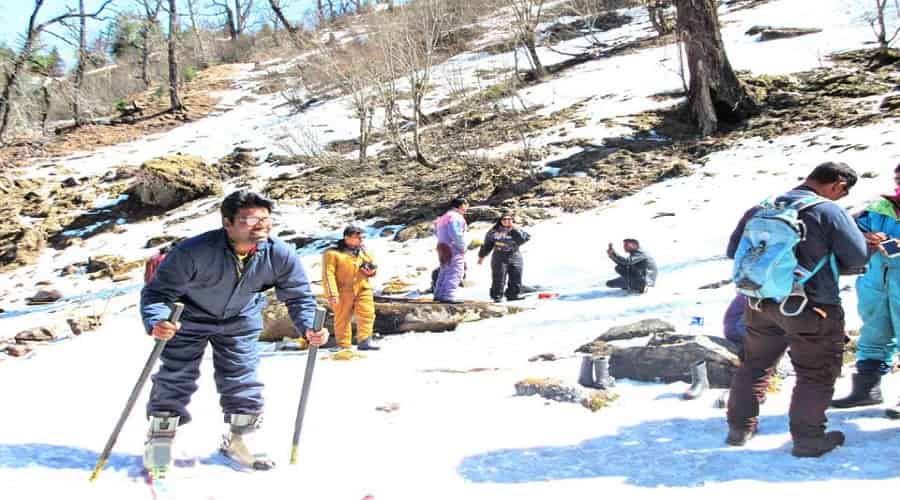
{"points": [[833, 171], [632, 240], [897, 168], [244, 199], [458, 202]]}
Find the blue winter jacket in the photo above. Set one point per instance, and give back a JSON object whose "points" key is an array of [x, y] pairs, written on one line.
{"points": [[883, 272], [205, 275]]}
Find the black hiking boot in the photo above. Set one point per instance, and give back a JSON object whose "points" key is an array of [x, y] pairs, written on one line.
{"points": [[367, 345], [699, 381], [739, 437], [816, 447], [866, 391]]}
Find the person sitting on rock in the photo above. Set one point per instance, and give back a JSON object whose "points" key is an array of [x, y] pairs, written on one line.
{"points": [[504, 239], [346, 269], [636, 272]]}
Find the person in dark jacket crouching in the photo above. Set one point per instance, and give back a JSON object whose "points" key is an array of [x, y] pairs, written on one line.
{"points": [[219, 276], [504, 239], [636, 272]]}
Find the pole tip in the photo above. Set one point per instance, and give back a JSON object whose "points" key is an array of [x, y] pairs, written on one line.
{"points": [[294, 455]]}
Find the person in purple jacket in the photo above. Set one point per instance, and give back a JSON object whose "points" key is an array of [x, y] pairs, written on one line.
{"points": [[450, 230]]}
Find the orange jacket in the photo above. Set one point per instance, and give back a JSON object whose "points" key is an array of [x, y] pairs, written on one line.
{"points": [[341, 273]]}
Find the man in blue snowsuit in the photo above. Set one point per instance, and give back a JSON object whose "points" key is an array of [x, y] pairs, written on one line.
{"points": [[219, 276], [878, 296]]}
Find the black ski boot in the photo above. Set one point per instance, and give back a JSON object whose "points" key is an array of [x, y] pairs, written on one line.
{"points": [[866, 391], [367, 345], [699, 381], [893, 413]]}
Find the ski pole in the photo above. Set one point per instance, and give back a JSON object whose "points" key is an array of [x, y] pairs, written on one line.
{"points": [[177, 309], [318, 323]]}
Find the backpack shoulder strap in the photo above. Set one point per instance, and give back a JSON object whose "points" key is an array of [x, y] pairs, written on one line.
{"points": [[807, 202]]}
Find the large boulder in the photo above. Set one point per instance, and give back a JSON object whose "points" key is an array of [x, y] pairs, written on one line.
{"points": [[421, 230], [667, 358], [642, 328], [171, 181], [393, 315]]}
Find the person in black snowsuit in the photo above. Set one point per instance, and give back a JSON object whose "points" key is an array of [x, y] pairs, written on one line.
{"points": [[636, 272], [504, 239]]}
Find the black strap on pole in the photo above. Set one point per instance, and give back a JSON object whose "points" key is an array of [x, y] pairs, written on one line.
{"points": [[318, 324], [177, 309]]}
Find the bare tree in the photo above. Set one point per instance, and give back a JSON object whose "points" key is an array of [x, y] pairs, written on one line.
{"points": [[421, 26], [715, 92], [385, 37], [151, 16], [353, 69], [527, 15], [656, 9], [236, 19], [879, 26], [34, 30], [195, 29], [292, 30], [174, 99], [79, 68]]}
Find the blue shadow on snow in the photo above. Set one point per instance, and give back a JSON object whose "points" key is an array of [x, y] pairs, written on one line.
{"points": [[690, 453]]}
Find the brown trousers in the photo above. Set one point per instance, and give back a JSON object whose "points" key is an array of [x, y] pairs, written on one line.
{"points": [[816, 346]]}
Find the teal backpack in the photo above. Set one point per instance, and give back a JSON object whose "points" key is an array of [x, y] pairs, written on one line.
{"points": [[765, 265]]}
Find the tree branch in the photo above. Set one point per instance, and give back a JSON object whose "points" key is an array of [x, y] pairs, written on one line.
{"points": [[71, 14]]}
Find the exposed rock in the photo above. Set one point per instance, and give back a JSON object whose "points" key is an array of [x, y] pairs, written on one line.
{"points": [[392, 315], [421, 230], [667, 358], [767, 33], [169, 182], [397, 285], [22, 246], [18, 350], [597, 400], [70, 182], [548, 388], [890, 103], [642, 328], [84, 324], [44, 297], [102, 262], [548, 356], [238, 162], [38, 334], [159, 240]]}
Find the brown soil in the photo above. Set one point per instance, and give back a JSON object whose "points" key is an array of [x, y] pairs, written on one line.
{"points": [[155, 119]]}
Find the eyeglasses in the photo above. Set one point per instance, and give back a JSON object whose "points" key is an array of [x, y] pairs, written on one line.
{"points": [[507, 218], [252, 221]]}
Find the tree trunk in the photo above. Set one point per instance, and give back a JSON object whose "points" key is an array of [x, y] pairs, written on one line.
{"points": [[365, 123], [292, 31], [145, 54], [539, 71], [417, 124], [230, 23], [194, 29], [658, 19], [174, 100], [77, 111], [715, 93], [11, 81], [45, 105]]}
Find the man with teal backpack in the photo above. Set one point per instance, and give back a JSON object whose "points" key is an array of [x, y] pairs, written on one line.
{"points": [[788, 254]]}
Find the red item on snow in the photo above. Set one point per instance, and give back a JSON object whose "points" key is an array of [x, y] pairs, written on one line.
{"points": [[547, 295]]}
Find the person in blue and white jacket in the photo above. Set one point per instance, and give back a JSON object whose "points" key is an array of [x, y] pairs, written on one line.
{"points": [[219, 276]]}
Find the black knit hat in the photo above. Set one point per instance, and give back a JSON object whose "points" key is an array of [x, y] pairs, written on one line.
{"points": [[352, 229]]}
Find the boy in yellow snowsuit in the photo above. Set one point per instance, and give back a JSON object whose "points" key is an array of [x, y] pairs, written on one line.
{"points": [[346, 269]]}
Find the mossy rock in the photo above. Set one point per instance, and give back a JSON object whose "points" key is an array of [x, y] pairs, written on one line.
{"points": [[597, 400]]}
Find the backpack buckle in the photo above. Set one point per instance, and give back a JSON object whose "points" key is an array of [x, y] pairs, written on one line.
{"points": [[796, 291]]}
